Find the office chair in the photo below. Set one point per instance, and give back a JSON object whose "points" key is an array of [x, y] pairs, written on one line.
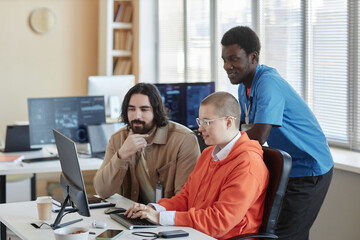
{"points": [[201, 142], [279, 165]]}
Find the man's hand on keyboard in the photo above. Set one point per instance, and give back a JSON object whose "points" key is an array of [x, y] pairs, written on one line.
{"points": [[142, 211]]}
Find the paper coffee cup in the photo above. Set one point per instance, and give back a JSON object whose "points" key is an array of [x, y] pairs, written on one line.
{"points": [[44, 207]]}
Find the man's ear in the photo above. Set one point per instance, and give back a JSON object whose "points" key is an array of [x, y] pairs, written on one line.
{"points": [[254, 57]]}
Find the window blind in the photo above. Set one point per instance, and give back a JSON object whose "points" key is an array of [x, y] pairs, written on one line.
{"points": [[197, 45], [328, 94], [171, 41], [184, 41], [356, 82], [314, 44], [282, 40], [354, 98]]}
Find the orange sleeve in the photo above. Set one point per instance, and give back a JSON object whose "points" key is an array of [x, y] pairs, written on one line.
{"points": [[179, 202], [235, 198]]}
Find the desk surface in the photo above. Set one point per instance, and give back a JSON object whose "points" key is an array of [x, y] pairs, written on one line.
{"points": [[18, 216], [45, 166]]}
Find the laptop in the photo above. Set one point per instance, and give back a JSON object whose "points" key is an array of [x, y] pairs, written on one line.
{"points": [[99, 136], [131, 223], [18, 139]]}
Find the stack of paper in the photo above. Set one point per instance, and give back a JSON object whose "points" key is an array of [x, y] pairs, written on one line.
{"points": [[15, 158]]}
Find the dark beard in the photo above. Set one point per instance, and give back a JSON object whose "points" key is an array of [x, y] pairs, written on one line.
{"points": [[140, 130]]}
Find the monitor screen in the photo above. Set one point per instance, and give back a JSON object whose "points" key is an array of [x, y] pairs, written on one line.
{"points": [[183, 100], [70, 115], [72, 183], [113, 88]]}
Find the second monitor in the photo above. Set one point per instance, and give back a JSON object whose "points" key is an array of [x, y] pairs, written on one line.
{"points": [[183, 100], [70, 115]]}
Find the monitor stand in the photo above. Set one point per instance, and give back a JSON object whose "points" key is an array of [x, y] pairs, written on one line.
{"points": [[60, 215]]}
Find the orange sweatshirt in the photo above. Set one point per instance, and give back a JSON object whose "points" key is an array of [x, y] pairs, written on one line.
{"points": [[224, 198]]}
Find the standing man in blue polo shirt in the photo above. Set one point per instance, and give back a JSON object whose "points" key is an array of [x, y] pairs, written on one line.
{"points": [[273, 112]]}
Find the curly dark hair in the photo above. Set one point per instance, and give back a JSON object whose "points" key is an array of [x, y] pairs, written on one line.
{"points": [[243, 36], [150, 90]]}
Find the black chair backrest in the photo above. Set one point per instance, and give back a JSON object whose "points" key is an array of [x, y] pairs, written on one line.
{"points": [[279, 165], [201, 142]]}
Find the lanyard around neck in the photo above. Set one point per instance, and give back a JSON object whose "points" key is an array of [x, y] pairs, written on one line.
{"points": [[247, 109]]}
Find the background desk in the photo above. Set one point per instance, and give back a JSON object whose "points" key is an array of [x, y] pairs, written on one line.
{"points": [[38, 167], [18, 216]]}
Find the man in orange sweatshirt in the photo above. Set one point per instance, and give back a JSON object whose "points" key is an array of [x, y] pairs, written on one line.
{"points": [[224, 195]]}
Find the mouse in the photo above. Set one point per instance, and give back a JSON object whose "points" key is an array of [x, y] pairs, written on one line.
{"points": [[114, 210]]}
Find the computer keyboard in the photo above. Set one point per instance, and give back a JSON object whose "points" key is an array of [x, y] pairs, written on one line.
{"points": [[40, 159], [131, 223]]}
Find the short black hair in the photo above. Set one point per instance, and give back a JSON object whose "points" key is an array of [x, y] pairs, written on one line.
{"points": [[150, 90], [243, 36]]}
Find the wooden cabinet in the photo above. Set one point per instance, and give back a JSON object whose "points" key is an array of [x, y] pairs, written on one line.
{"points": [[119, 37]]}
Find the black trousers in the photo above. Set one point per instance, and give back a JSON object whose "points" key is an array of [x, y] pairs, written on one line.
{"points": [[301, 205]]}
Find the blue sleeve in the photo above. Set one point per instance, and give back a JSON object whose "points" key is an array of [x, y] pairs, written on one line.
{"points": [[270, 102]]}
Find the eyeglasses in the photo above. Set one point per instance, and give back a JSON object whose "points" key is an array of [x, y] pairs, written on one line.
{"points": [[206, 122]]}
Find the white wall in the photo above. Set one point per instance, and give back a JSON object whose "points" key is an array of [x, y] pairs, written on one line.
{"points": [[339, 217], [54, 64]]}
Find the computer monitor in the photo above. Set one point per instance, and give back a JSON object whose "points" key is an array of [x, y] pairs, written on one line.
{"points": [[17, 139], [71, 180], [99, 136], [183, 100], [70, 115], [113, 88]]}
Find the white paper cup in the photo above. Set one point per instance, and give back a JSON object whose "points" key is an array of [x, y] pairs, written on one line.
{"points": [[44, 207]]}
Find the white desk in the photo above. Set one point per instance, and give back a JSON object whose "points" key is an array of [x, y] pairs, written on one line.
{"points": [[18, 216], [46, 166], [36, 167]]}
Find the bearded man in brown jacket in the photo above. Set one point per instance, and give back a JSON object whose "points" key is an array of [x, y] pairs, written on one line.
{"points": [[151, 157]]}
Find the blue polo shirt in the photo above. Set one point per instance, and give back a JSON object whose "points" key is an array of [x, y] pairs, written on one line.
{"points": [[295, 127]]}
